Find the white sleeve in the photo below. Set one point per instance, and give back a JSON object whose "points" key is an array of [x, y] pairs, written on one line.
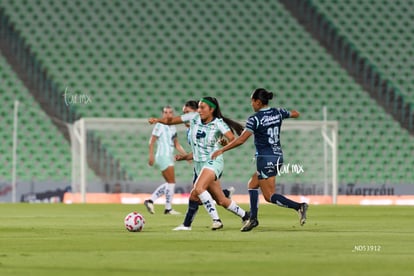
{"points": [[223, 127], [157, 130], [188, 116], [173, 132]]}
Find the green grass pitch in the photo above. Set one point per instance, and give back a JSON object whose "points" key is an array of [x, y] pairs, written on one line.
{"points": [[57, 239]]}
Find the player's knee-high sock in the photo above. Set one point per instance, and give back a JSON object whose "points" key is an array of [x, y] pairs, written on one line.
{"points": [[254, 202], [284, 202], [209, 204], [191, 213], [169, 194], [234, 208], [160, 191]]}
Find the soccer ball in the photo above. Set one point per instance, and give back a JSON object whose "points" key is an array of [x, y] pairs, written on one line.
{"points": [[134, 222]]}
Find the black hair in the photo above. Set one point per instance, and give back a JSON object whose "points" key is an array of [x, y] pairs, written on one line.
{"points": [[263, 95], [234, 126], [191, 104]]}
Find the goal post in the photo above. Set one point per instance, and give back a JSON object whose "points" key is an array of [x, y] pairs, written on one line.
{"points": [[313, 142], [329, 134]]}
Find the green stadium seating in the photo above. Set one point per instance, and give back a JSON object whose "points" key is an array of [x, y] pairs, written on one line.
{"points": [[383, 31], [40, 144], [132, 58]]}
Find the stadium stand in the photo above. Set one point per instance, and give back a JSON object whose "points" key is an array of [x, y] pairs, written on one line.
{"points": [[383, 30], [358, 64], [131, 58], [42, 151]]}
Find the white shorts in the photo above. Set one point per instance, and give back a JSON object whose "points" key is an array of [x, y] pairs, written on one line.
{"points": [[164, 161], [216, 165]]}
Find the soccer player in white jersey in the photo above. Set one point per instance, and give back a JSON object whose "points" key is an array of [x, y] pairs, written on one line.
{"points": [[192, 106], [206, 128], [265, 125], [166, 139]]}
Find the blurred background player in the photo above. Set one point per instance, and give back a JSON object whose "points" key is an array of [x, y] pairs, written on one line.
{"points": [[166, 139], [265, 125]]}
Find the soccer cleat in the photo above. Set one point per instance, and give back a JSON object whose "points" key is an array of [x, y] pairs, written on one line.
{"points": [[246, 217], [249, 225], [217, 224], [302, 213], [150, 206], [231, 192], [182, 228], [171, 212]]}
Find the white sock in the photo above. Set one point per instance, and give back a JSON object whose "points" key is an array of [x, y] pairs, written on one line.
{"points": [[209, 204], [234, 208], [160, 191], [169, 194]]}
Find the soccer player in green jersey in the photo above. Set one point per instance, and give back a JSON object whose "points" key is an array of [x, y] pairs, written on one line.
{"points": [[207, 126]]}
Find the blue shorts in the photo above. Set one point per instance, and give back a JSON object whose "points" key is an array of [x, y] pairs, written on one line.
{"points": [[268, 165]]}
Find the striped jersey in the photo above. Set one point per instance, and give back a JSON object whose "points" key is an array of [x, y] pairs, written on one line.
{"points": [[165, 142], [265, 125], [204, 138]]}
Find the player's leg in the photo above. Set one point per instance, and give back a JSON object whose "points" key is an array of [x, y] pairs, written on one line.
{"points": [[169, 176], [267, 186], [228, 192], [253, 187], [192, 210], [268, 189], [220, 198], [203, 181], [283, 201], [161, 189], [265, 167], [191, 213]]}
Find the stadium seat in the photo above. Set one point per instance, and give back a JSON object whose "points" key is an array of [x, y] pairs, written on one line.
{"points": [[382, 34], [133, 58], [33, 128]]}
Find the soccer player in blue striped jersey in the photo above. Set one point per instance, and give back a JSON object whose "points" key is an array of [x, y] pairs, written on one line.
{"points": [[265, 125], [206, 128], [166, 139]]}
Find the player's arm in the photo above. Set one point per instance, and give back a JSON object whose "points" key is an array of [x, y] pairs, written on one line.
{"points": [[178, 146], [233, 143], [151, 158], [294, 114], [187, 156], [229, 136], [166, 121]]}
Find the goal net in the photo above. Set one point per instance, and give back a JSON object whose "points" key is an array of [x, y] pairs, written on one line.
{"points": [[111, 155]]}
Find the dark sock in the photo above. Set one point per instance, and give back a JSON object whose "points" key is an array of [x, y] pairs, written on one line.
{"points": [[254, 203], [191, 213], [284, 202], [226, 193]]}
